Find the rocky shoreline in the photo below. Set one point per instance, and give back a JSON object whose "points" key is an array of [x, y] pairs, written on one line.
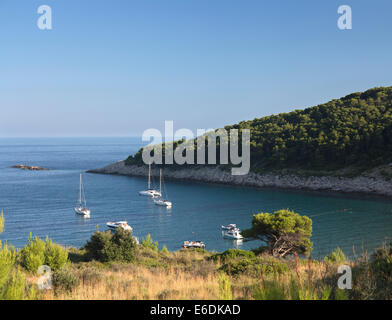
{"points": [[368, 184]]}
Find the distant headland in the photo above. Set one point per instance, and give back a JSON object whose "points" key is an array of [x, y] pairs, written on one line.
{"points": [[344, 145]]}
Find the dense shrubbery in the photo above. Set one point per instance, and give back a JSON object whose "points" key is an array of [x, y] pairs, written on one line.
{"points": [[64, 280], [233, 254], [7, 260], [236, 262], [336, 256], [56, 256], [39, 252], [149, 243], [354, 130], [33, 255], [13, 284], [106, 246]]}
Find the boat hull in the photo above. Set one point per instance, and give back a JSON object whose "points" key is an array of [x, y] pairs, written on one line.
{"points": [[228, 236], [234, 234], [194, 244], [82, 211], [150, 193], [163, 203], [114, 226]]}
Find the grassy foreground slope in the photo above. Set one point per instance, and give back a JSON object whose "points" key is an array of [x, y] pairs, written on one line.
{"points": [[113, 266], [234, 274], [354, 131]]}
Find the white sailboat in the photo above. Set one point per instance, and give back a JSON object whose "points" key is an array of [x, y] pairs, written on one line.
{"points": [[81, 207], [150, 192], [161, 201]]}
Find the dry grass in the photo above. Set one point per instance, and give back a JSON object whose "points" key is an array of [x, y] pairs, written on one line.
{"points": [[189, 277], [135, 282]]}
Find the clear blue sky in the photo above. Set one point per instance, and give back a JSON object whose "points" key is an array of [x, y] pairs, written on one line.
{"points": [[116, 68]]}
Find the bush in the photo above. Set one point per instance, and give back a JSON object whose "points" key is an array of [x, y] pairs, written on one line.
{"points": [[233, 254], [89, 275], [164, 250], [381, 272], [38, 253], [97, 247], [33, 255], [381, 263], [336, 256], [55, 255], [148, 243], [7, 260], [14, 288], [64, 280], [236, 262], [106, 247]]}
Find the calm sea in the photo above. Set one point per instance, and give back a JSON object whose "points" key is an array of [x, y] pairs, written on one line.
{"points": [[42, 202]]}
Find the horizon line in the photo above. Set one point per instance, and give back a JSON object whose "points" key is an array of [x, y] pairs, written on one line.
{"points": [[66, 137]]}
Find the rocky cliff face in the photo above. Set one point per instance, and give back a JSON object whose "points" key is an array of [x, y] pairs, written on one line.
{"points": [[363, 184]]}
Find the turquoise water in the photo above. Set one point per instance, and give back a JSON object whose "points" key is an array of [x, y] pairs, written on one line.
{"points": [[42, 202]]}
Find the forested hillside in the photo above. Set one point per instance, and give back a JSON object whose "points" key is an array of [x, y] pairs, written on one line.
{"points": [[352, 131]]}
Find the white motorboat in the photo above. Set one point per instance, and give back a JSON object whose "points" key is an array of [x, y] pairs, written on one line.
{"points": [[81, 207], [194, 244], [119, 224], [160, 201], [229, 227], [150, 192], [234, 233]]}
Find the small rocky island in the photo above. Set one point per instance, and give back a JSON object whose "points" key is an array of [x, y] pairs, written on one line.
{"points": [[31, 168]]}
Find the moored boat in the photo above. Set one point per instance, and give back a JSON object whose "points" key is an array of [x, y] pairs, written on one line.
{"points": [[194, 244], [150, 192], [161, 201], [229, 227], [234, 233], [119, 224], [81, 207]]}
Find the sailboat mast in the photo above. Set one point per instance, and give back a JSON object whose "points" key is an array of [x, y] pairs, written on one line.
{"points": [[80, 190], [160, 181], [149, 176]]}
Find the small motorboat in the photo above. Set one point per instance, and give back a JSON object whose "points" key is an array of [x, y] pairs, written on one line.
{"points": [[194, 244], [119, 224], [229, 227], [234, 233]]}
